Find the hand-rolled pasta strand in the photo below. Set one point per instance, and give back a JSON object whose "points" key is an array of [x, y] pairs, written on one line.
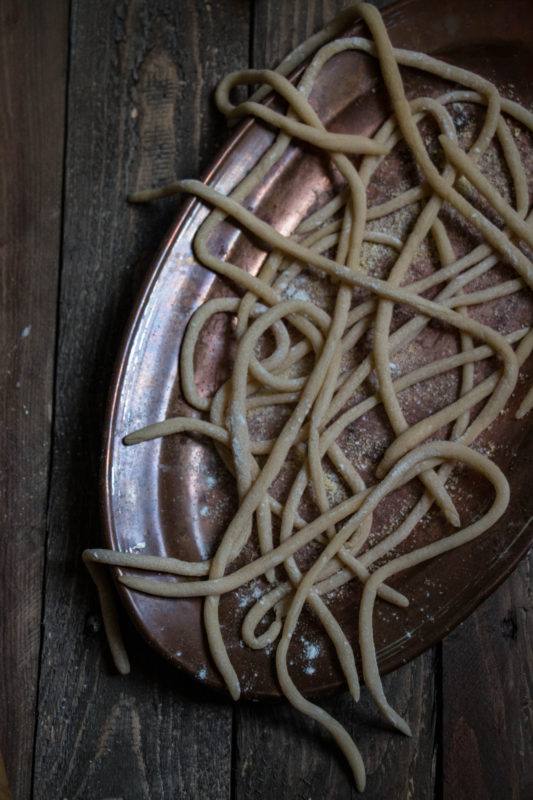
{"points": [[501, 488], [335, 142]]}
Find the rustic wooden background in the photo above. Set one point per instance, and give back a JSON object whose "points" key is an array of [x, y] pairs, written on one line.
{"points": [[98, 99]]}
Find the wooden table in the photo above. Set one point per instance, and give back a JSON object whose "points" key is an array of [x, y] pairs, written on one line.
{"points": [[98, 99]]}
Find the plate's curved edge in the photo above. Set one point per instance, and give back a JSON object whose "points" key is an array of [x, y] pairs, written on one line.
{"points": [[150, 279]]}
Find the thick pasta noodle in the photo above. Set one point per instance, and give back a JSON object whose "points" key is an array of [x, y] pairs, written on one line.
{"points": [[294, 359]]}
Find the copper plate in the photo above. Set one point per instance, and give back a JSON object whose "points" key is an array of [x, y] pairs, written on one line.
{"points": [[171, 497]]}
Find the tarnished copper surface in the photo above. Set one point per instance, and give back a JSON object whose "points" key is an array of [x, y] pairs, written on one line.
{"points": [[173, 497]]}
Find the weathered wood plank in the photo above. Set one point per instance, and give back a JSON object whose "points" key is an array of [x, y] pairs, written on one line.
{"points": [[33, 56], [277, 32], [488, 697], [282, 754], [141, 75], [279, 29]]}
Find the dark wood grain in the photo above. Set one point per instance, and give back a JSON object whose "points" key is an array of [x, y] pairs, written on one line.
{"points": [[304, 19], [33, 58], [488, 697], [291, 29], [140, 81], [312, 765]]}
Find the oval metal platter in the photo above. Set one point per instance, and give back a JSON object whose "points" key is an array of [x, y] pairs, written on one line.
{"points": [[174, 497]]}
